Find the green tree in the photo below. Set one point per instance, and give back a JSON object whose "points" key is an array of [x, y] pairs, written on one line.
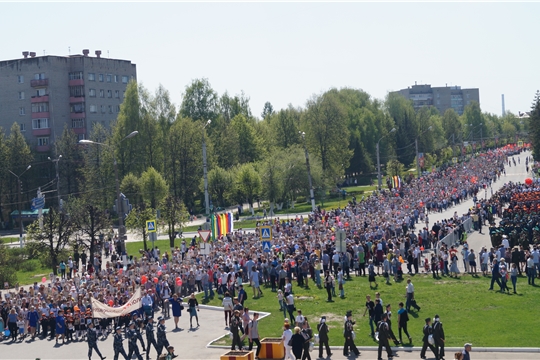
{"points": [[233, 106], [272, 180], [268, 110], [136, 221], [220, 183], [285, 126], [251, 144], [153, 187], [453, 128], [200, 101], [226, 144], [54, 236], [131, 187], [534, 126], [327, 136], [394, 168], [474, 123], [19, 156], [248, 184], [175, 215], [404, 117], [4, 173], [70, 166]]}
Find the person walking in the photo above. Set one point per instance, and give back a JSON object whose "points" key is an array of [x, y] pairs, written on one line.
{"points": [[384, 337], [162, 341], [466, 352], [132, 342], [514, 275], [410, 297], [428, 330], [495, 274], [323, 330], [403, 318], [236, 328], [348, 335], [177, 307], [297, 343], [307, 334], [389, 322], [117, 344], [253, 334], [531, 270], [150, 337], [286, 337], [227, 304], [91, 337], [328, 280], [370, 308], [193, 308], [438, 336]]}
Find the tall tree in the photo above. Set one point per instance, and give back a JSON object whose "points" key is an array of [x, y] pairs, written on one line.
{"points": [[327, 136], [131, 188], [19, 156], [231, 106], [200, 101], [474, 123], [268, 110], [54, 236], [220, 183], [248, 184], [136, 221], [404, 117], [452, 126], [70, 165], [251, 144], [4, 174], [534, 125], [285, 126]]}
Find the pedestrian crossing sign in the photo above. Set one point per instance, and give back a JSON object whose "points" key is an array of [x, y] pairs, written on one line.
{"points": [[151, 226], [266, 233], [266, 246]]}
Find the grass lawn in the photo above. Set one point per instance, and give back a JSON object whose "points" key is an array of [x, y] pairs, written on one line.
{"points": [[9, 240], [468, 311], [132, 248], [29, 277]]}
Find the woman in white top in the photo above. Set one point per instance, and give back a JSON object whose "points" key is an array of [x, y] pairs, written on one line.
{"points": [[227, 308], [287, 335]]}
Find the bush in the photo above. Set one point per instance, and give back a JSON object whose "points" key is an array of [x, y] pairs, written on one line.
{"points": [[30, 265]]}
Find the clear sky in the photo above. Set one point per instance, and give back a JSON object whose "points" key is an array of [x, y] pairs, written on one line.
{"points": [[286, 52]]}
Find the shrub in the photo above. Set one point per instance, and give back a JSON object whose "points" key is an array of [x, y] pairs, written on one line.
{"points": [[30, 265]]}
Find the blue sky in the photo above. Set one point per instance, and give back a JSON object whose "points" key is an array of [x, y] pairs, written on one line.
{"points": [[286, 52]]}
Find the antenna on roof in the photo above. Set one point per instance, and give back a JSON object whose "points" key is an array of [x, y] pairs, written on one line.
{"points": [[69, 50], [43, 52], [108, 54]]}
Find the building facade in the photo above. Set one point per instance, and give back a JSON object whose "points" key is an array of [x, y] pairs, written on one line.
{"points": [[44, 93], [442, 98]]}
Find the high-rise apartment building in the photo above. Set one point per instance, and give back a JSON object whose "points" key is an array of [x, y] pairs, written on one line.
{"points": [[43, 93], [443, 98]]}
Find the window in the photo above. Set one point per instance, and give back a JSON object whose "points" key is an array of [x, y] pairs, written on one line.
{"points": [[23, 127], [109, 93], [91, 77], [117, 108], [109, 77], [116, 78], [117, 94], [20, 79], [93, 109], [40, 107], [101, 93], [103, 109], [40, 76], [76, 75], [110, 109], [21, 110], [125, 79], [41, 92], [76, 91], [77, 108], [40, 123], [21, 95], [92, 92], [80, 137], [77, 123], [101, 77], [43, 141]]}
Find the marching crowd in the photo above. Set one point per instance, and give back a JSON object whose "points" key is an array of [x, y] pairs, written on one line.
{"points": [[383, 232]]}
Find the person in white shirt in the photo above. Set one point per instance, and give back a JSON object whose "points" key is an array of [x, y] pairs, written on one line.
{"points": [[147, 304], [410, 297], [287, 335], [505, 242], [299, 319]]}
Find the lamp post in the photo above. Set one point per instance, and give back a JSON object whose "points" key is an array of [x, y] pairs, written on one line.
{"points": [[379, 180], [205, 170], [311, 194], [121, 227], [19, 183], [416, 144], [55, 161]]}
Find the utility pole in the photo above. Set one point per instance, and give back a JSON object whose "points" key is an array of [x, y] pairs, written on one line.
{"points": [[55, 161]]}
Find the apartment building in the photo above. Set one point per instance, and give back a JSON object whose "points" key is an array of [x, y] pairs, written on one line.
{"points": [[443, 98], [43, 93]]}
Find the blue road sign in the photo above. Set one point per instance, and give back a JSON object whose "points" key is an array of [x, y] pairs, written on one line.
{"points": [[266, 233], [38, 203], [266, 246]]}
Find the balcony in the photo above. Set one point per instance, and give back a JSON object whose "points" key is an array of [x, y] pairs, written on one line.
{"points": [[39, 115], [41, 132], [43, 148], [39, 83], [80, 115], [76, 82], [38, 99], [76, 99], [79, 130]]}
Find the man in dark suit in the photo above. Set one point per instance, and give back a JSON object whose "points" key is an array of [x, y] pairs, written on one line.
{"points": [[438, 336], [384, 337], [428, 330], [495, 275]]}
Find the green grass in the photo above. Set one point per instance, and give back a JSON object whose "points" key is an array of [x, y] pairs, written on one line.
{"points": [[29, 277], [132, 248], [9, 240], [468, 311]]}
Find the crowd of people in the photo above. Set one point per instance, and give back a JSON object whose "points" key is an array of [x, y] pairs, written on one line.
{"points": [[384, 232]]}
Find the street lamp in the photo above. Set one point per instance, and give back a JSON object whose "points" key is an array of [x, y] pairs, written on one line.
{"points": [[416, 143], [19, 182], [205, 170], [55, 161], [311, 194], [121, 228], [379, 180]]}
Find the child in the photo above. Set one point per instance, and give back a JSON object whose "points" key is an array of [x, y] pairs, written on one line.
{"points": [[20, 325], [281, 301]]}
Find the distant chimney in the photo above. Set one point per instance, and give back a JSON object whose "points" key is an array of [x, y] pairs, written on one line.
{"points": [[98, 53], [86, 52], [32, 54], [25, 54]]}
